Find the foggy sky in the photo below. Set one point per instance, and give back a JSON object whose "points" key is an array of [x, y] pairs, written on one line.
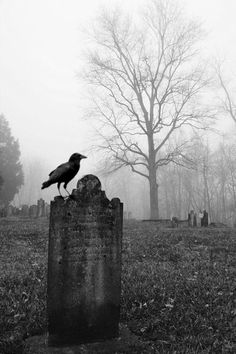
{"points": [[40, 52]]}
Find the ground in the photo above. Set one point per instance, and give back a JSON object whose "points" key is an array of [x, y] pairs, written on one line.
{"points": [[178, 286]]}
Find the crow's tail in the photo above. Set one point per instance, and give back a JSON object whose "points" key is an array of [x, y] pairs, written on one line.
{"points": [[46, 184]]}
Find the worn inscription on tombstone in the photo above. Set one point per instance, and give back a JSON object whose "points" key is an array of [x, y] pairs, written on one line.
{"points": [[84, 265]]}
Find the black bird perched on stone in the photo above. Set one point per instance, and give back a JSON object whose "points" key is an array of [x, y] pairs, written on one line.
{"points": [[65, 172]]}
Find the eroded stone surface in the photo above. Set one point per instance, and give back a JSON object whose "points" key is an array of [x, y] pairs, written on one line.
{"points": [[90, 184], [84, 265]]}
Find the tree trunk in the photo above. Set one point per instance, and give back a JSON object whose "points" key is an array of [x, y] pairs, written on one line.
{"points": [[168, 209], [207, 202], [224, 214], [153, 186], [179, 196], [154, 210]]}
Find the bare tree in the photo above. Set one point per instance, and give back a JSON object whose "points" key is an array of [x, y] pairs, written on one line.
{"points": [[147, 85], [227, 102]]}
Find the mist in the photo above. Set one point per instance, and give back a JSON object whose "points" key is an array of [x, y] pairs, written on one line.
{"points": [[45, 101]]}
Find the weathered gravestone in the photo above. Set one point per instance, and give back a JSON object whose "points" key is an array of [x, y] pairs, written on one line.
{"points": [[16, 211], [84, 265], [41, 208], [33, 209], [10, 210], [24, 211], [191, 218]]}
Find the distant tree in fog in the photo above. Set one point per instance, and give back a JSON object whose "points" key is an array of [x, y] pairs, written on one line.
{"points": [[35, 169], [146, 85], [34, 172], [10, 165]]}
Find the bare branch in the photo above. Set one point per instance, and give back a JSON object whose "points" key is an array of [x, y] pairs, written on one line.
{"points": [[229, 105]]}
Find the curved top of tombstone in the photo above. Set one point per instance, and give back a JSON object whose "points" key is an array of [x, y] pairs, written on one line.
{"points": [[89, 183], [89, 189]]}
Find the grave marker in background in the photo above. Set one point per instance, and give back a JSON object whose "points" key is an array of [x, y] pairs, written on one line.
{"points": [[33, 209], [24, 211], [41, 208]]}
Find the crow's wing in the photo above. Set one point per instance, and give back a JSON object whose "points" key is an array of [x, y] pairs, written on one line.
{"points": [[59, 172], [57, 168]]}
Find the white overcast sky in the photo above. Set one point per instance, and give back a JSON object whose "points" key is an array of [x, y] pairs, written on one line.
{"points": [[40, 45]]}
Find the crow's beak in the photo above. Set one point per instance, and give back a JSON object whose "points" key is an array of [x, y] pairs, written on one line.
{"points": [[83, 157]]}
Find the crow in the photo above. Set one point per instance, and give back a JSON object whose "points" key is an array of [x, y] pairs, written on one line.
{"points": [[65, 172]]}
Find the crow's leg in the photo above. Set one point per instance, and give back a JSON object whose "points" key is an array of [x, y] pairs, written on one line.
{"points": [[65, 184], [58, 187]]}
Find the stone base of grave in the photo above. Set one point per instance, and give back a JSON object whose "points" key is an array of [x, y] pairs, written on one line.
{"points": [[127, 342]]}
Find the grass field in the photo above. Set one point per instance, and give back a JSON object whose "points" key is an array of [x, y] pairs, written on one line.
{"points": [[178, 286]]}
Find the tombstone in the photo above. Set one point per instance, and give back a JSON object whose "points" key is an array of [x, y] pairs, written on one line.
{"points": [[84, 265], [205, 218], [195, 220], [16, 211], [174, 222], [191, 218], [41, 208], [33, 210], [10, 209], [24, 210]]}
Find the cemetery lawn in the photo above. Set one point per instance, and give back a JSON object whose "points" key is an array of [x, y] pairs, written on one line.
{"points": [[178, 286]]}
